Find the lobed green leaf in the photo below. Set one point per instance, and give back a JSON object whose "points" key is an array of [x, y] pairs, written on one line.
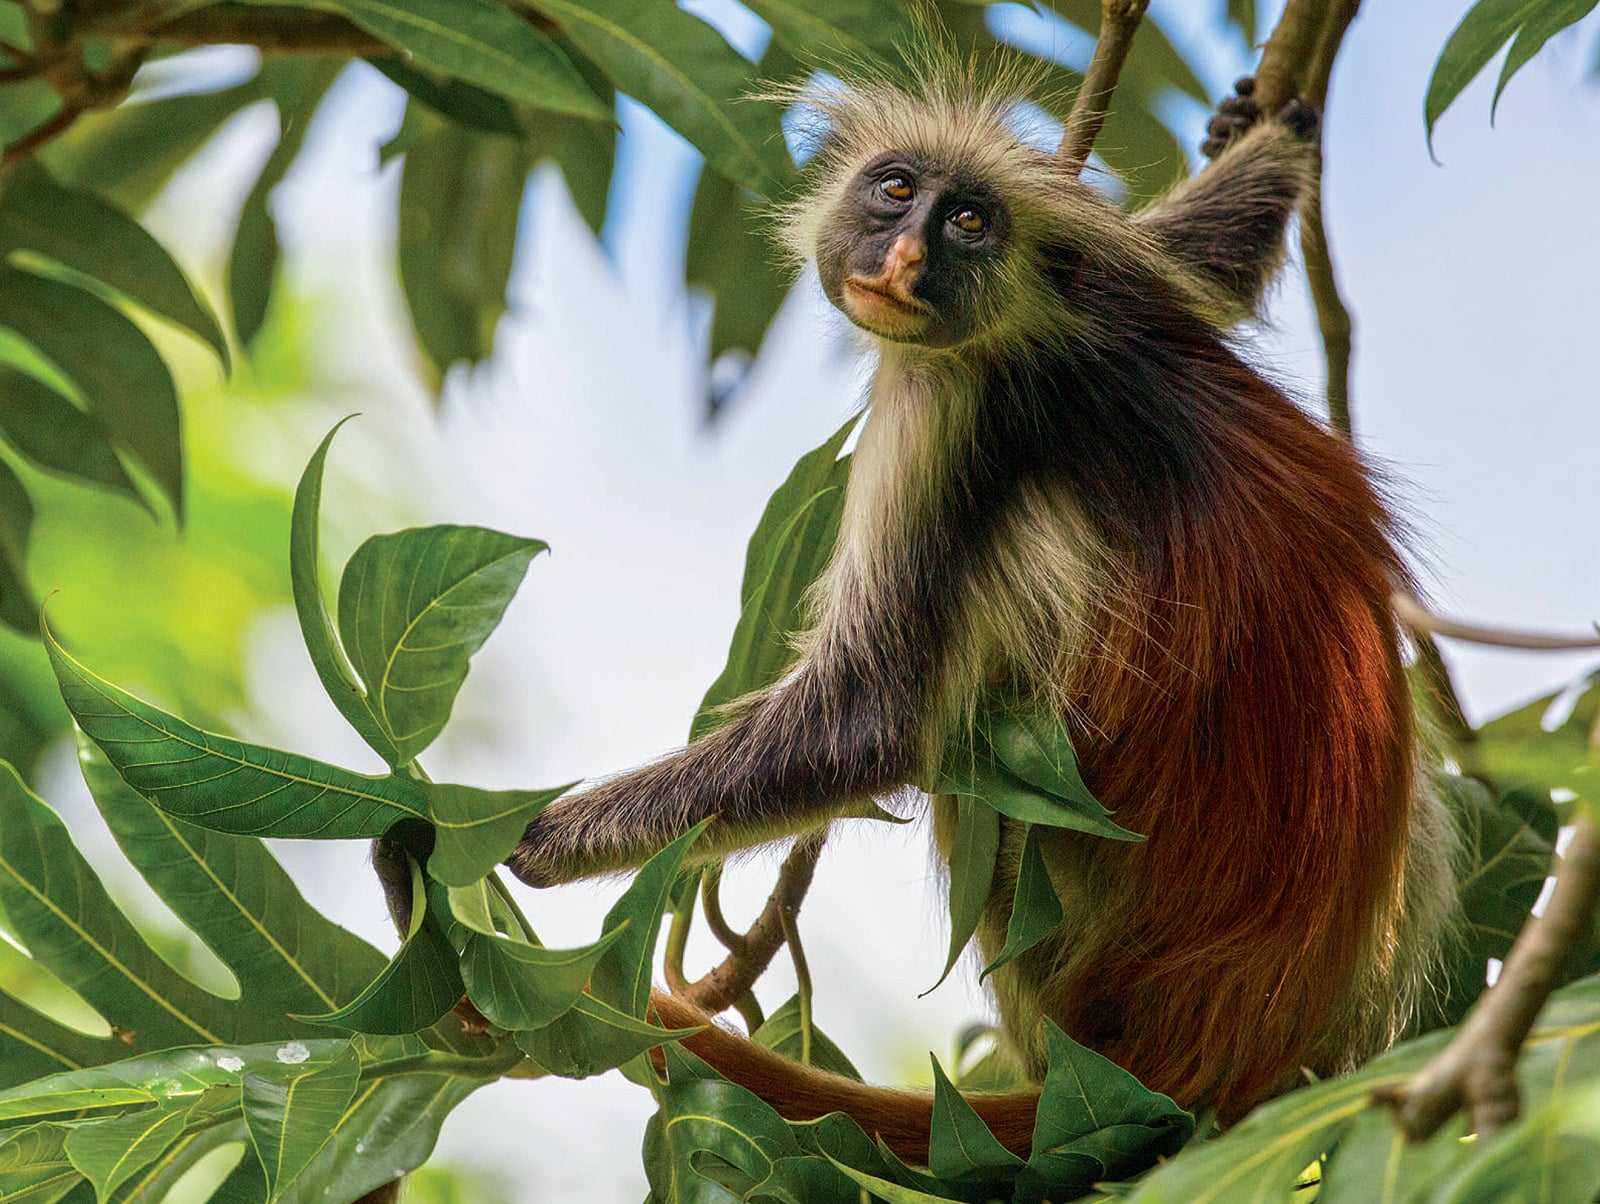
{"points": [[292, 1109], [225, 784]]}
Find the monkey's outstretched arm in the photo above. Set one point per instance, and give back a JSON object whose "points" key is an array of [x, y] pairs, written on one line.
{"points": [[794, 756], [1226, 224]]}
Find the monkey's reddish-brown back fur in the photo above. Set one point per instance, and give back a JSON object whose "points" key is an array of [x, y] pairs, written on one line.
{"points": [[1255, 724]]}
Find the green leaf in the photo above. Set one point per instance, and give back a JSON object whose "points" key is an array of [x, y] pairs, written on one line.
{"points": [[1482, 32], [328, 656], [57, 908], [82, 231], [520, 986], [1374, 1163], [421, 984], [224, 784], [683, 70], [291, 1110], [413, 608], [848, 31], [1037, 748], [1507, 848], [622, 976], [460, 199], [971, 767], [887, 1190], [592, 1037], [711, 1127], [1551, 17], [19, 609], [477, 41], [781, 1031], [1242, 13], [122, 378], [788, 550], [58, 436], [1552, 1153], [960, 1145], [974, 850], [253, 260], [475, 830], [33, 1045], [1091, 1109], [34, 1168], [1035, 908], [732, 257], [465, 104], [110, 1151], [286, 956]]}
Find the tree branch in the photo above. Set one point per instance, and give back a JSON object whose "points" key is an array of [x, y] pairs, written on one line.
{"points": [[1119, 20], [1418, 617], [1475, 1072], [731, 980]]}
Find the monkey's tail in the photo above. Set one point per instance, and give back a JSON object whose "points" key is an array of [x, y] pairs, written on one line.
{"points": [[799, 1092]]}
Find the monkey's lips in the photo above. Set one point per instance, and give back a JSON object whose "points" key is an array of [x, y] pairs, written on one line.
{"points": [[875, 307]]}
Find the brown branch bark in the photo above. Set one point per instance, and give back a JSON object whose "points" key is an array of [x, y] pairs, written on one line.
{"points": [[725, 985], [1119, 20], [1475, 1072]]}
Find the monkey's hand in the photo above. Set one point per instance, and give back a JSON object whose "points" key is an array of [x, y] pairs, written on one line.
{"points": [[1236, 114]]}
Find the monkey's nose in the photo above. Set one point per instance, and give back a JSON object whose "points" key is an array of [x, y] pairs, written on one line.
{"points": [[904, 261]]}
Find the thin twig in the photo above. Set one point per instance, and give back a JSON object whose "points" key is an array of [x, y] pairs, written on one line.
{"points": [[1475, 1071], [725, 984], [711, 905], [802, 974], [1418, 617], [42, 133], [1119, 20], [677, 945]]}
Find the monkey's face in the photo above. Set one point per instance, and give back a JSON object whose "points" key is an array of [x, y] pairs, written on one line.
{"points": [[913, 251]]}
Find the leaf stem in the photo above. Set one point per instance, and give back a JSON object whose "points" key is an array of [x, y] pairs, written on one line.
{"points": [[788, 916]]}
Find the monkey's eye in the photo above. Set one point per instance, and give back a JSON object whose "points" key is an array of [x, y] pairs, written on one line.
{"points": [[969, 220], [896, 187]]}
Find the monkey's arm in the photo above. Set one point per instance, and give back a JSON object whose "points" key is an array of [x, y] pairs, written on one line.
{"points": [[793, 757], [1226, 224]]}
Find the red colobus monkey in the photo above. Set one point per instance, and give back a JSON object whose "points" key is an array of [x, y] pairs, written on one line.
{"points": [[1071, 485]]}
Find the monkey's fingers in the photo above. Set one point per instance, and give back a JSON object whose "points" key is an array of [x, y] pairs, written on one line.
{"points": [[1301, 118]]}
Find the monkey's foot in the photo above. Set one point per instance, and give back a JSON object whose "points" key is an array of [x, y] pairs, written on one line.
{"points": [[1239, 112]]}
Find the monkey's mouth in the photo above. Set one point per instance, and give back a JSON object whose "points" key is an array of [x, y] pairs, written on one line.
{"points": [[877, 309]]}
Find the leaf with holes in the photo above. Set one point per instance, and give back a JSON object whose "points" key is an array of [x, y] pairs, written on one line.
{"points": [[413, 608]]}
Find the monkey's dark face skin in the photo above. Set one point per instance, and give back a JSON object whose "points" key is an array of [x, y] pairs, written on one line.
{"points": [[911, 251]]}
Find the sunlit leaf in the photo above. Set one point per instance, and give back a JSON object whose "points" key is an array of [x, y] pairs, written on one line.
{"points": [[80, 230], [120, 375], [413, 608]]}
